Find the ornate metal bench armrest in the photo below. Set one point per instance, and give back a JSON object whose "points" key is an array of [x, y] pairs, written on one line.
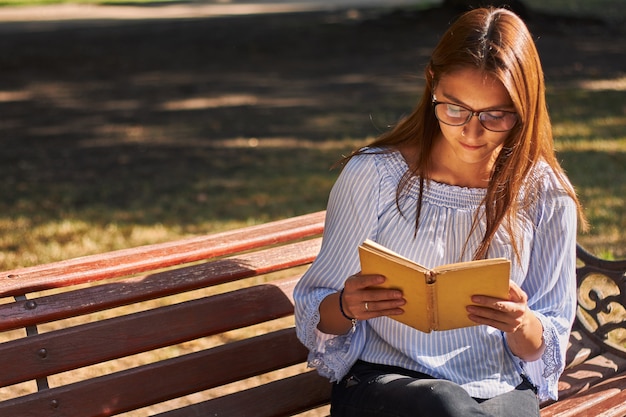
{"points": [[602, 300]]}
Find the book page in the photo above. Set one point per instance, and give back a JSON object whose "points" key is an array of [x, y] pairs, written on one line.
{"points": [[456, 286], [380, 250]]}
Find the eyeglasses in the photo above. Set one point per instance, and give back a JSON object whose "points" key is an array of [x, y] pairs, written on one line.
{"points": [[457, 115]]}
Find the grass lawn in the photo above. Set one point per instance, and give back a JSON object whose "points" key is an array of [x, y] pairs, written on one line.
{"points": [[152, 132]]}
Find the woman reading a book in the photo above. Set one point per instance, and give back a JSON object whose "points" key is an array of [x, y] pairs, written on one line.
{"points": [[470, 174]]}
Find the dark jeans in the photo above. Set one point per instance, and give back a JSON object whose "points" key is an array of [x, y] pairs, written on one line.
{"points": [[370, 390]]}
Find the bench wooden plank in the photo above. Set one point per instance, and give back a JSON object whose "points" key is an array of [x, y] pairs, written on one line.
{"points": [[580, 348], [21, 314], [88, 344], [590, 373], [284, 397], [161, 381], [607, 399], [150, 257]]}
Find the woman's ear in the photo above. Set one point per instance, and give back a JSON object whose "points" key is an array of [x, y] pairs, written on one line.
{"points": [[431, 77], [429, 71]]}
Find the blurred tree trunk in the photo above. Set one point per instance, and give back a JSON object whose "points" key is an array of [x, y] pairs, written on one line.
{"points": [[517, 6]]}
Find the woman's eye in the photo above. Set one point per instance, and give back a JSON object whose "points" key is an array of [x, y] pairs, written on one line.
{"points": [[493, 115], [455, 111]]}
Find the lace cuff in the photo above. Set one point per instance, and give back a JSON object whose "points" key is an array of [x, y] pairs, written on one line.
{"points": [[332, 360], [331, 355], [544, 373]]}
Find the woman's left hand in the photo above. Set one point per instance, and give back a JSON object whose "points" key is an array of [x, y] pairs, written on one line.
{"points": [[524, 331], [506, 315]]}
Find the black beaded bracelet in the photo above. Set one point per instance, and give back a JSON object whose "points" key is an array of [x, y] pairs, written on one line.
{"points": [[352, 319]]}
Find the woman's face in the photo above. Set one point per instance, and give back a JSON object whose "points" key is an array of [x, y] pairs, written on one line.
{"points": [[471, 147]]}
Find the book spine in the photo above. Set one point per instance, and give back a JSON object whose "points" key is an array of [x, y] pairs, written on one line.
{"points": [[431, 299]]}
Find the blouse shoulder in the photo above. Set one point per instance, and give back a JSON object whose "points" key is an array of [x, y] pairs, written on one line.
{"points": [[548, 193], [383, 166], [385, 161], [544, 184]]}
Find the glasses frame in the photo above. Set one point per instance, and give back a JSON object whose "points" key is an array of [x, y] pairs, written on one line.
{"points": [[473, 113]]}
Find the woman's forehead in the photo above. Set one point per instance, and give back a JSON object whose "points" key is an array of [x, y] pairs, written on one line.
{"points": [[473, 88]]}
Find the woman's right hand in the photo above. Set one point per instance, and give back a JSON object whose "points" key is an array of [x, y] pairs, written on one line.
{"points": [[361, 301]]}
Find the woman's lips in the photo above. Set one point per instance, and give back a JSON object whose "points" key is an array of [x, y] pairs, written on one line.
{"points": [[470, 147]]}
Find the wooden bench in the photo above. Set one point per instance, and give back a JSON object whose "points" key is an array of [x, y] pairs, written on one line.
{"points": [[204, 327]]}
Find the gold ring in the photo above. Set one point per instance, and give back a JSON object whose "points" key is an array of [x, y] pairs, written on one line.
{"points": [[366, 307]]}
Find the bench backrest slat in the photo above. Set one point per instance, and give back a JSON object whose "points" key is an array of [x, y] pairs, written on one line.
{"points": [[149, 384], [88, 344], [122, 292], [151, 257]]}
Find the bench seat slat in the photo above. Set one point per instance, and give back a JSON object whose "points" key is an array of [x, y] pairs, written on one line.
{"points": [[114, 338], [96, 298], [283, 397], [161, 381], [580, 348], [150, 257], [608, 399], [589, 373]]}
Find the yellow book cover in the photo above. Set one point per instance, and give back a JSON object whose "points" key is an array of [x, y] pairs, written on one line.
{"points": [[436, 299]]}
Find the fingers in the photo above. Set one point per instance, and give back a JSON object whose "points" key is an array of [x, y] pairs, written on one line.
{"points": [[506, 315], [503, 319], [373, 309], [516, 294], [360, 282], [363, 301]]}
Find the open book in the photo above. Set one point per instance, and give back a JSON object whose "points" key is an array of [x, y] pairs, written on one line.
{"points": [[436, 299]]}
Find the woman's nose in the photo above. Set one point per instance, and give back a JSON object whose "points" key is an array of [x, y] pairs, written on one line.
{"points": [[473, 128]]}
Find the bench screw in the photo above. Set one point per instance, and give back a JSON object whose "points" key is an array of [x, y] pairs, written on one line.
{"points": [[54, 404], [30, 305], [43, 353]]}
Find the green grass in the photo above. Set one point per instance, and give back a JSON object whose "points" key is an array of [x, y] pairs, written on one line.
{"points": [[247, 182], [97, 184], [590, 128], [64, 220]]}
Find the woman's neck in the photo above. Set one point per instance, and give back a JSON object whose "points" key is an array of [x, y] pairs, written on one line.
{"points": [[445, 170], [467, 176]]}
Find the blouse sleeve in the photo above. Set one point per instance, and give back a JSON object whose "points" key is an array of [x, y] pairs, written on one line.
{"points": [[551, 285], [351, 217]]}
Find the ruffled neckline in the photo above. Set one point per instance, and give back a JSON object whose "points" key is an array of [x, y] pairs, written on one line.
{"points": [[435, 192]]}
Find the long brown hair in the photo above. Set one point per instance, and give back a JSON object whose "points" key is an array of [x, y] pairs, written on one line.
{"points": [[497, 42]]}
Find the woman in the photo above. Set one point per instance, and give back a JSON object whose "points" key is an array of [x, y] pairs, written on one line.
{"points": [[469, 174]]}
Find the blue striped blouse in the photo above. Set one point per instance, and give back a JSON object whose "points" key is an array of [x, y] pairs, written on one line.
{"points": [[362, 205]]}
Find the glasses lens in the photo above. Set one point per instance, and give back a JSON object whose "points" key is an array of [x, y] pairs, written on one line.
{"points": [[498, 121], [452, 114]]}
